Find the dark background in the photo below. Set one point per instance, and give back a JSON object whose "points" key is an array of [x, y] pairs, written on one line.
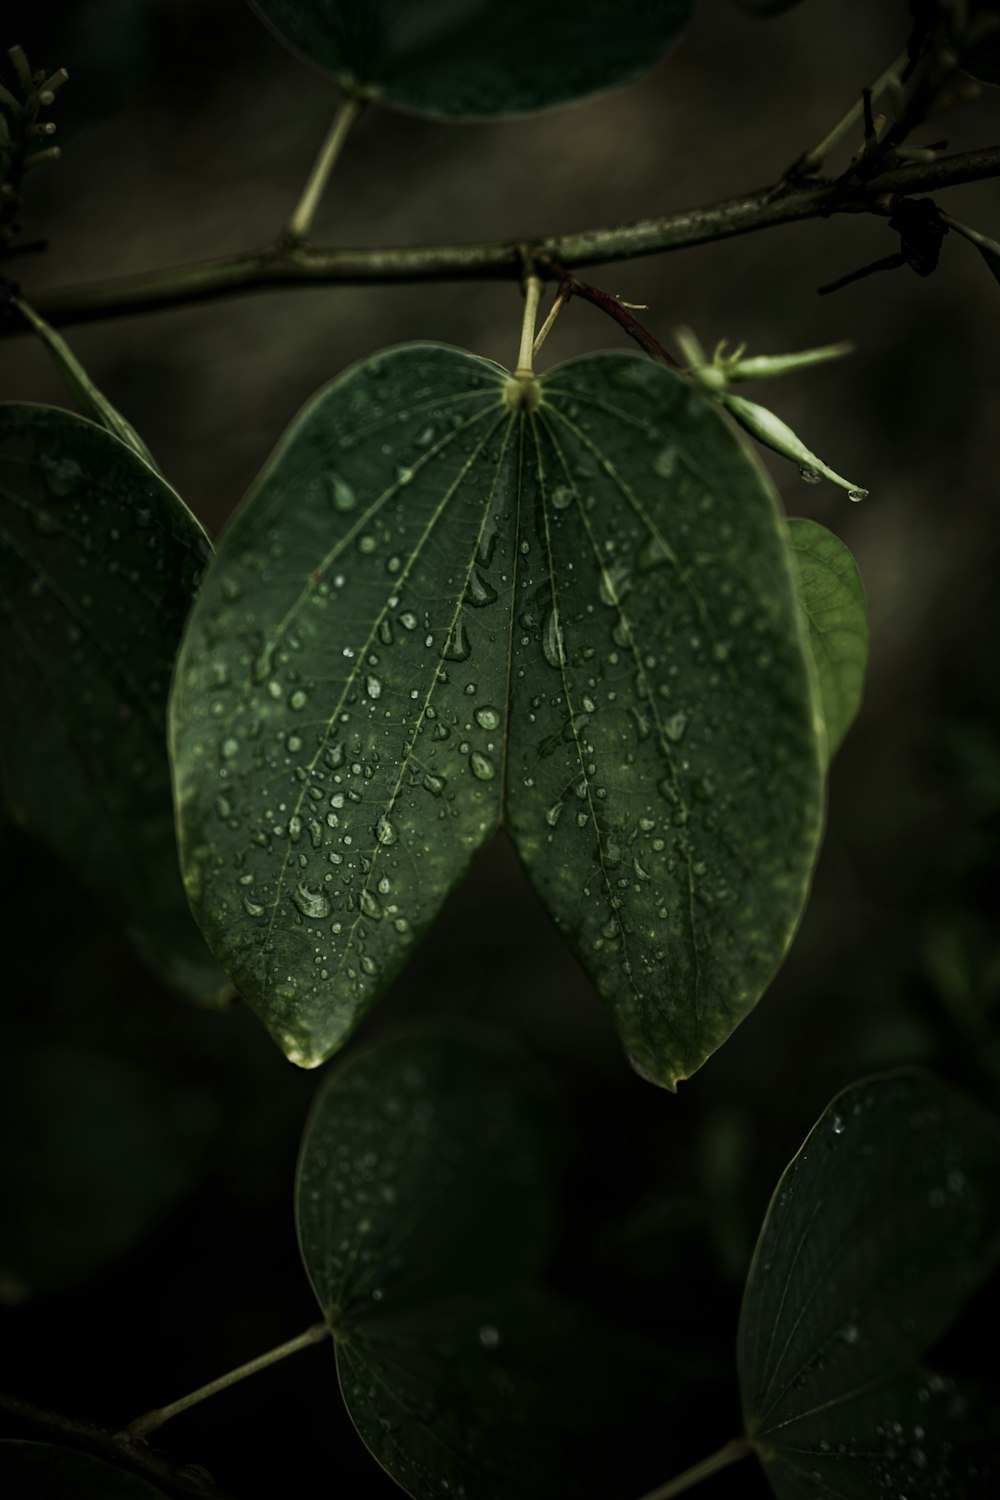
{"points": [[187, 132]]}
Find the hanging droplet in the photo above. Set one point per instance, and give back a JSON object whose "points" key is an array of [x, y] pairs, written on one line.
{"points": [[809, 476]]}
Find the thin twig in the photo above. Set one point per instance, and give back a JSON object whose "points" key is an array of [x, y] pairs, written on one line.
{"points": [[273, 267], [811, 161], [561, 298], [621, 314], [84, 1437]]}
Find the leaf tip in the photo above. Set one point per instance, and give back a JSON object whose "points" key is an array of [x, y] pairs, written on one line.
{"points": [[650, 1074], [302, 1057]]}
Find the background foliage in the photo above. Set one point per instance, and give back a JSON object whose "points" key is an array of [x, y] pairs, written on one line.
{"points": [[896, 960]]}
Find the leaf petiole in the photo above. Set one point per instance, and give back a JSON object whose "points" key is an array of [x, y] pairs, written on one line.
{"points": [[525, 357], [300, 223], [730, 1453], [151, 1420]]}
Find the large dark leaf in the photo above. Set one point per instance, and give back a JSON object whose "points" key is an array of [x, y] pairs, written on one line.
{"points": [[469, 58], [440, 609], [42, 1471], [833, 600], [424, 1205], [880, 1228], [99, 561]]}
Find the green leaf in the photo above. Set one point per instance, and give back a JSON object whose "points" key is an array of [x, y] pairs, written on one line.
{"points": [[424, 1205], [833, 601], [99, 560], [95, 1149], [879, 1231], [43, 1471], [463, 59], [441, 608]]}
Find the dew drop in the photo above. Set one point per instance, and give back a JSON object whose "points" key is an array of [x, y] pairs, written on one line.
{"points": [[857, 495], [488, 717], [482, 767], [370, 906], [459, 646], [62, 475], [478, 591], [385, 832], [675, 726], [373, 687], [341, 495], [553, 644], [665, 462], [309, 902], [809, 476]]}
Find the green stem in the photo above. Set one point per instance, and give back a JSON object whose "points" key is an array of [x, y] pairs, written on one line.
{"points": [[154, 1419], [730, 1454], [284, 266], [982, 241], [561, 298], [532, 297], [814, 159], [300, 223]]}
